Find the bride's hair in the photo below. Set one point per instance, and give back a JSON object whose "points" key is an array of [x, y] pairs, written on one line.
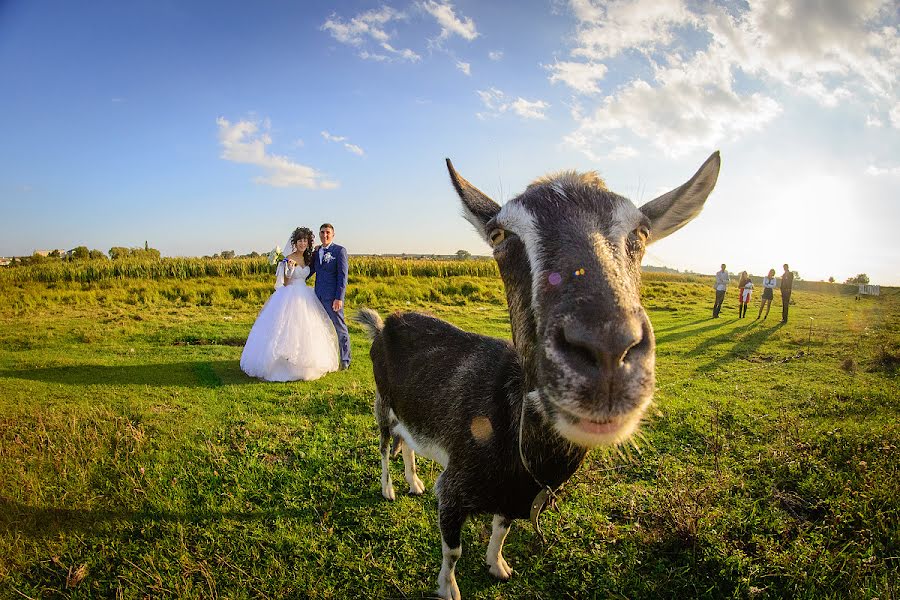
{"points": [[304, 233]]}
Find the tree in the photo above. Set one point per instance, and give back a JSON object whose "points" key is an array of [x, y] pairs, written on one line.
{"points": [[831, 280], [463, 255], [862, 278], [54, 254], [81, 253], [254, 254], [97, 254], [227, 253], [117, 252]]}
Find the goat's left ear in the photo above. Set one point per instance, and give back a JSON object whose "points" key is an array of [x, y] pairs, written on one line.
{"points": [[673, 210], [479, 209]]}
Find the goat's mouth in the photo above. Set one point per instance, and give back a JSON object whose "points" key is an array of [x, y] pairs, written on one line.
{"points": [[589, 431]]}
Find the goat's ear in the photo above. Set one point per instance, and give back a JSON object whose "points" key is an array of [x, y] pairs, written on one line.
{"points": [[479, 209], [673, 210]]}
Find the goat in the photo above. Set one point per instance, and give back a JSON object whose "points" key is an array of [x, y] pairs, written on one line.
{"points": [[512, 421]]}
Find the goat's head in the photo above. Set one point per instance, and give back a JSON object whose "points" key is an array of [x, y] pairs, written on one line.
{"points": [[569, 252]]}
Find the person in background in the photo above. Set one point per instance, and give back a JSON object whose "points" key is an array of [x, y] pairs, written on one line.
{"points": [[769, 283], [743, 278], [787, 282], [746, 292], [721, 285]]}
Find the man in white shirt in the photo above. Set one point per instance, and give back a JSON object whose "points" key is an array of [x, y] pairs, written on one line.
{"points": [[721, 286]]}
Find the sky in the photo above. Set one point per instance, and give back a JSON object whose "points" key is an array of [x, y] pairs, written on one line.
{"points": [[207, 126]]}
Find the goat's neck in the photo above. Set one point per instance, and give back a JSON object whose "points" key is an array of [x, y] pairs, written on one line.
{"points": [[547, 457]]}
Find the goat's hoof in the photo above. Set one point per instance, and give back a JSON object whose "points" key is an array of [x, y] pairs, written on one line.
{"points": [[501, 570], [449, 592], [417, 488], [388, 493]]}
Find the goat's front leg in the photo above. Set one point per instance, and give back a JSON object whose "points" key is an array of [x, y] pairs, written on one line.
{"points": [[451, 521], [409, 467], [499, 567]]}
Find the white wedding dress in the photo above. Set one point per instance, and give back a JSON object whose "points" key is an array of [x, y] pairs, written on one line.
{"points": [[292, 338]]}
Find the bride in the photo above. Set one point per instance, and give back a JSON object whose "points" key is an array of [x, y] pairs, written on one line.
{"points": [[292, 338]]}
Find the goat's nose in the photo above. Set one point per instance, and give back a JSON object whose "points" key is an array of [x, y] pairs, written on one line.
{"points": [[605, 346]]}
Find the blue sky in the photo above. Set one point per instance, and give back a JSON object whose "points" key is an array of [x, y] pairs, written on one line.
{"points": [[207, 126]]}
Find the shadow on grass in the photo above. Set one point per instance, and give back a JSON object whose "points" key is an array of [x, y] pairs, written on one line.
{"points": [[188, 374], [748, 339], [681, 325], [678, 335], [41, 522]]}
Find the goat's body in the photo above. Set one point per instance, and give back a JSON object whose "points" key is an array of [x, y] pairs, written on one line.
{"points": [[475, 413]]}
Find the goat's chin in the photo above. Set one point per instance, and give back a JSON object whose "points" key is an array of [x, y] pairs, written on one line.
{"points": [[589, 433]]}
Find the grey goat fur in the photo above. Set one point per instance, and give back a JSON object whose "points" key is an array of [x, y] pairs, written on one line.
{"points": [[506, 419]]}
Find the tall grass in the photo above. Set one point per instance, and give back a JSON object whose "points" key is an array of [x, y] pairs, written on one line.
{"points": [[190, 268]]}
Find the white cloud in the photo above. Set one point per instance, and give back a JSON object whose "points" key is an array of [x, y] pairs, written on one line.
{"points": [[528, 109], [497, 103], [450, 24], [340, 139], [609, 28], [832, 51], [243, 142], [367, 28], [464, 67], [495, 55], [333, 138], [877, 171], [873, 121], [895, 115], [581, 77]]}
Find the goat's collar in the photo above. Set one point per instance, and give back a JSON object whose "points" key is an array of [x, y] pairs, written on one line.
{"points": [[547, 495]]}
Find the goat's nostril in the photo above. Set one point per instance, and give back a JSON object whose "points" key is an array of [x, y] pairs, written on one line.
{"points": [[576, 346], [641, 343]]}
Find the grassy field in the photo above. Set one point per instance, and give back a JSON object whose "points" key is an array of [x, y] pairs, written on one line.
{"points": [[136, 459]]}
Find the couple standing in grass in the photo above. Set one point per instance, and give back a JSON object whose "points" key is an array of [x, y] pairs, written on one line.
{"points": [[300, 333]]}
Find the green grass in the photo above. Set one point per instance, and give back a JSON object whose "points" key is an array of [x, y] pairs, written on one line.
{"points": [[137, 460]]}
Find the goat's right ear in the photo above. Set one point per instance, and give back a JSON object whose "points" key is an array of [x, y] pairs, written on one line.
{"points": [[478, 208]]}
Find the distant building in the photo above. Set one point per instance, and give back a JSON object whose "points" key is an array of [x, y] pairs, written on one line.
{"points": [[49, 252], [4, 262], [870, 290]]}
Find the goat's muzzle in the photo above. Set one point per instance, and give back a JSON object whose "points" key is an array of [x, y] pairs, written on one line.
{"points": [[599, 375]]}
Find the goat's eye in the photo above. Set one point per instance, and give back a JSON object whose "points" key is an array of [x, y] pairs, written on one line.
{"points": [[496, 236]]}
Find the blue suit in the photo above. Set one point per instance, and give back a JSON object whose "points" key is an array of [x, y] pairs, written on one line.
{"points": [[331, 284]]}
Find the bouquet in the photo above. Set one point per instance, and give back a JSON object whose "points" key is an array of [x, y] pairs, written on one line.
{"points": [[275, 255]]}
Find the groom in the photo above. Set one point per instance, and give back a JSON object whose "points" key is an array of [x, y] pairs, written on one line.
{"points": [[330, 267]]}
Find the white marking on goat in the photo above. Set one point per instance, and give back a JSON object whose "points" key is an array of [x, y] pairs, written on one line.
{"points": [[409, 467], [387, 486], [625, 219], [498, 566], [423, 446], [447, 587], [515, 217], [559, 189], [624, 287]]}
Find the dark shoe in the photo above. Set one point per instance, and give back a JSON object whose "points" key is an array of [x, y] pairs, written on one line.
{"points": [[345, 366]]}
